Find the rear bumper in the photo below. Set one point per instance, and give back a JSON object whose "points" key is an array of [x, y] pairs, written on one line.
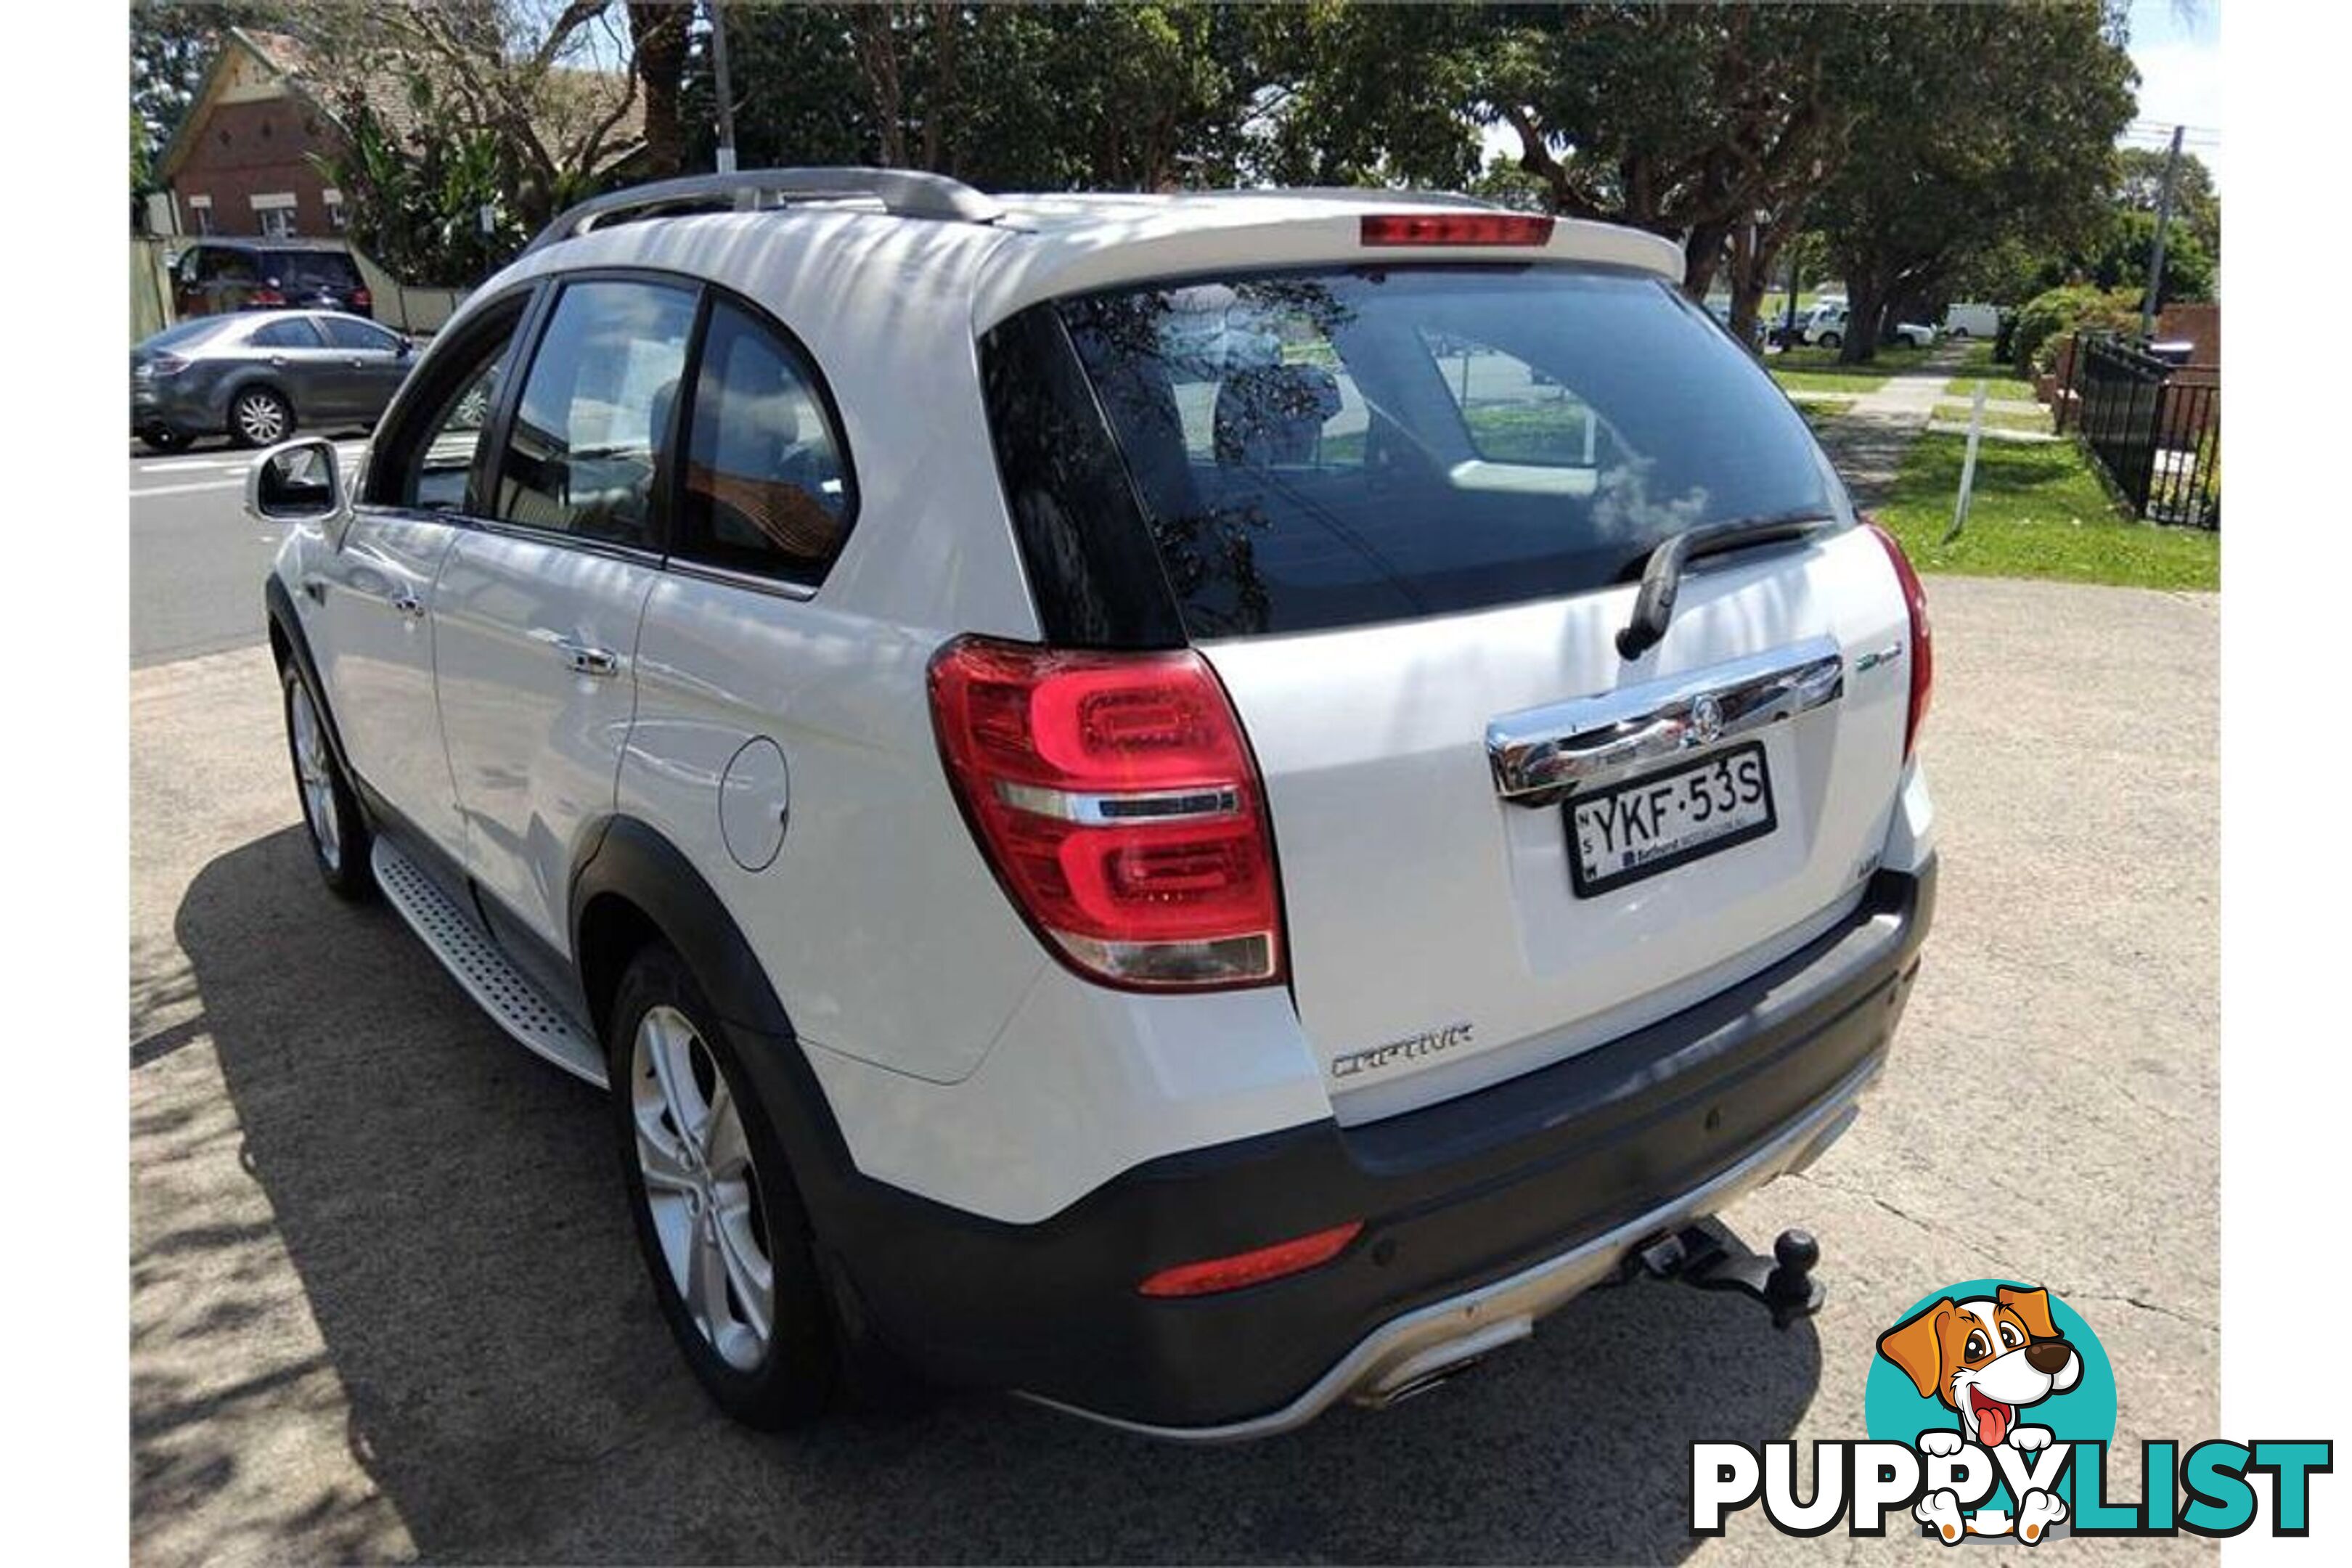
{"points": [[1480, 1214]]}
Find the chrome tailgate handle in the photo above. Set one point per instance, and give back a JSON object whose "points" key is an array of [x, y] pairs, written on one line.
{"points": [[1541, 755]]}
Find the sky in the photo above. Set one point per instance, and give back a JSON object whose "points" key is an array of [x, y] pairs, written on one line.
{"points": [[2179, 61]]}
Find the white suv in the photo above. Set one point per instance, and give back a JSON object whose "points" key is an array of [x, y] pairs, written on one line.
{"points": [[1190, 806], [1826, 327]]}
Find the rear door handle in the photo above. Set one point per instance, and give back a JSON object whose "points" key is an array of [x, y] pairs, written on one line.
{"points": [[586, 660], [406, 602]]}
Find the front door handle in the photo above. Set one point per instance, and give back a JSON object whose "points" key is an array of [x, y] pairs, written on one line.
{"points": [[586, 660], [406, 602]]}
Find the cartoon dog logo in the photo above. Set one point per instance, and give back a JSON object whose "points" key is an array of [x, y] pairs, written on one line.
{"points": [[1986, 1358]]}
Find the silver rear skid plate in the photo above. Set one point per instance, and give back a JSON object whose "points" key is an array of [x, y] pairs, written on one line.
{"points": [[1410, 1354], [476, 963]]}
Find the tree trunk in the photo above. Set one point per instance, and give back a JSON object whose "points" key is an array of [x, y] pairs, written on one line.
{"points": [[1751, 279], [1865, 315], [1702, 255], [658, 33]]}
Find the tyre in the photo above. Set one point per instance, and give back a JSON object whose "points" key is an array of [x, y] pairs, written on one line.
{"points": [[1959, 332], [330, 810], [1831, 340], [717, 1216], [259, 416], [162, 440]]}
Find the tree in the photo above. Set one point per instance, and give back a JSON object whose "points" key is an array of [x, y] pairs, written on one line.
{"points": [[1715, 125], [2196, 204], [1996, 122], [1135, 97]]}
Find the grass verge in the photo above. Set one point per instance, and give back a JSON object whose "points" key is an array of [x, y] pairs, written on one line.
{"points": [[1996, 386], [1861, 379], [2040, 511], [1958, 414], [1819, 411]]}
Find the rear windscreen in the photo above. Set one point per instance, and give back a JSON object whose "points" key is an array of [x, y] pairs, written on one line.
{"points": [[1331, 448], [313, 269]]}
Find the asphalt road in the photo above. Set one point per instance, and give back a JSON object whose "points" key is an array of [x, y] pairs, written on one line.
{"points": [[196, 561], [386, 1303]]}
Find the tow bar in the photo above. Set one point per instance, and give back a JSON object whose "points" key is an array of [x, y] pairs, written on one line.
{"points": [[1705, 1254]]}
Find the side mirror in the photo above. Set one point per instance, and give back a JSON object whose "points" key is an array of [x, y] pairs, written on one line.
{"points": [[295, 481]]}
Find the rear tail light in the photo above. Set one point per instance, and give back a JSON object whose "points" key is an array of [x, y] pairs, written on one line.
{"points": [[361, 298], [1115, 798], [1923, 642], [1215, 1274], [1455, 228], [267, 296]]}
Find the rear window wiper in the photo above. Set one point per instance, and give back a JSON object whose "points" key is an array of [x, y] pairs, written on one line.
{"points": [[1662, 575]]}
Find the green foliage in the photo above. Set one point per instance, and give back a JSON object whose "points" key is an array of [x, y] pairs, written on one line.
{"points": [[1990, 123], [1126, 97], [2196, 204], [416, 204], [2049, 319], [2120, 252]]}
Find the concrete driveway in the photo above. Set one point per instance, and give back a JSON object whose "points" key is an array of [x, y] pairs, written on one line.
{"points": [[386, 1303]]}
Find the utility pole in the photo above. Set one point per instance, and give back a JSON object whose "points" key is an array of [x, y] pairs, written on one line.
{"points": [[725, 92], [2156, 258]]}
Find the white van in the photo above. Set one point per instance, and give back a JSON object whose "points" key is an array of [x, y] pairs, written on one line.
{"points": [[1971, 321]]}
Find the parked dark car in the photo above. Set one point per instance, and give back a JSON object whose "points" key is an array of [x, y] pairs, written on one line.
{"points": [[215, 277], [253, 376]]}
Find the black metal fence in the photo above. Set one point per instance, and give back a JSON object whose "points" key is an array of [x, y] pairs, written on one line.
{"points": [[2153, 426]]}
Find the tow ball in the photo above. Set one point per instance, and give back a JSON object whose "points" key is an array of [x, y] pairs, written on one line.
{"points": [[1705, 1254]]}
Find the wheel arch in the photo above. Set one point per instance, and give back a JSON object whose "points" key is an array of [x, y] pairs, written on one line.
{"points": [[289, 644], [633, 884]]}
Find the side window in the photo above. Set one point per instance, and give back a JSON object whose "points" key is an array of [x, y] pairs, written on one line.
{"points": [[1514, 412], [343, 332], [431, 449], [284, 332], [585, 449], [766, 487]]}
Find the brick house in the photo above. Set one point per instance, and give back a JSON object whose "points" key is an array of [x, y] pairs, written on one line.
{"points": [[241, 161]]}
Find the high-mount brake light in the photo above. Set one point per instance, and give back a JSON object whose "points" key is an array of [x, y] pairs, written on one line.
{"points": [[1923, 641], [1215, 1274], [1117, 800], [1455, 228]]}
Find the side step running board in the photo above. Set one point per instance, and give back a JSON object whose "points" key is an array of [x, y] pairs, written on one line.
{"points": [[502, 991]]}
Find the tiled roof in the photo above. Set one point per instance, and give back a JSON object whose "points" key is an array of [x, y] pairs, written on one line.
{"points": [[576, 100]]}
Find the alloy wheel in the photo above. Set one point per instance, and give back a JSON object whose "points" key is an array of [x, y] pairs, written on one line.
{"points": [[700, 1187], [261, 418], [315, 769]]}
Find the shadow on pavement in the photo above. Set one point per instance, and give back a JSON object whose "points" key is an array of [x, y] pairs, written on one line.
{"points": [[454, 1211]]}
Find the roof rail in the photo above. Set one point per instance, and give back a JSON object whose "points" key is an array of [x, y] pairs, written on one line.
{"points": [[907, 193], [1366, 194]]}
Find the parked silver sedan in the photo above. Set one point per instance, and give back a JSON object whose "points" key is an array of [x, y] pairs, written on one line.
{"points": [[253, 376]]}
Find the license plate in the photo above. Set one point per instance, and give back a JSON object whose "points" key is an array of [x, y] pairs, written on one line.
{"points": [[1662, 820]]}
